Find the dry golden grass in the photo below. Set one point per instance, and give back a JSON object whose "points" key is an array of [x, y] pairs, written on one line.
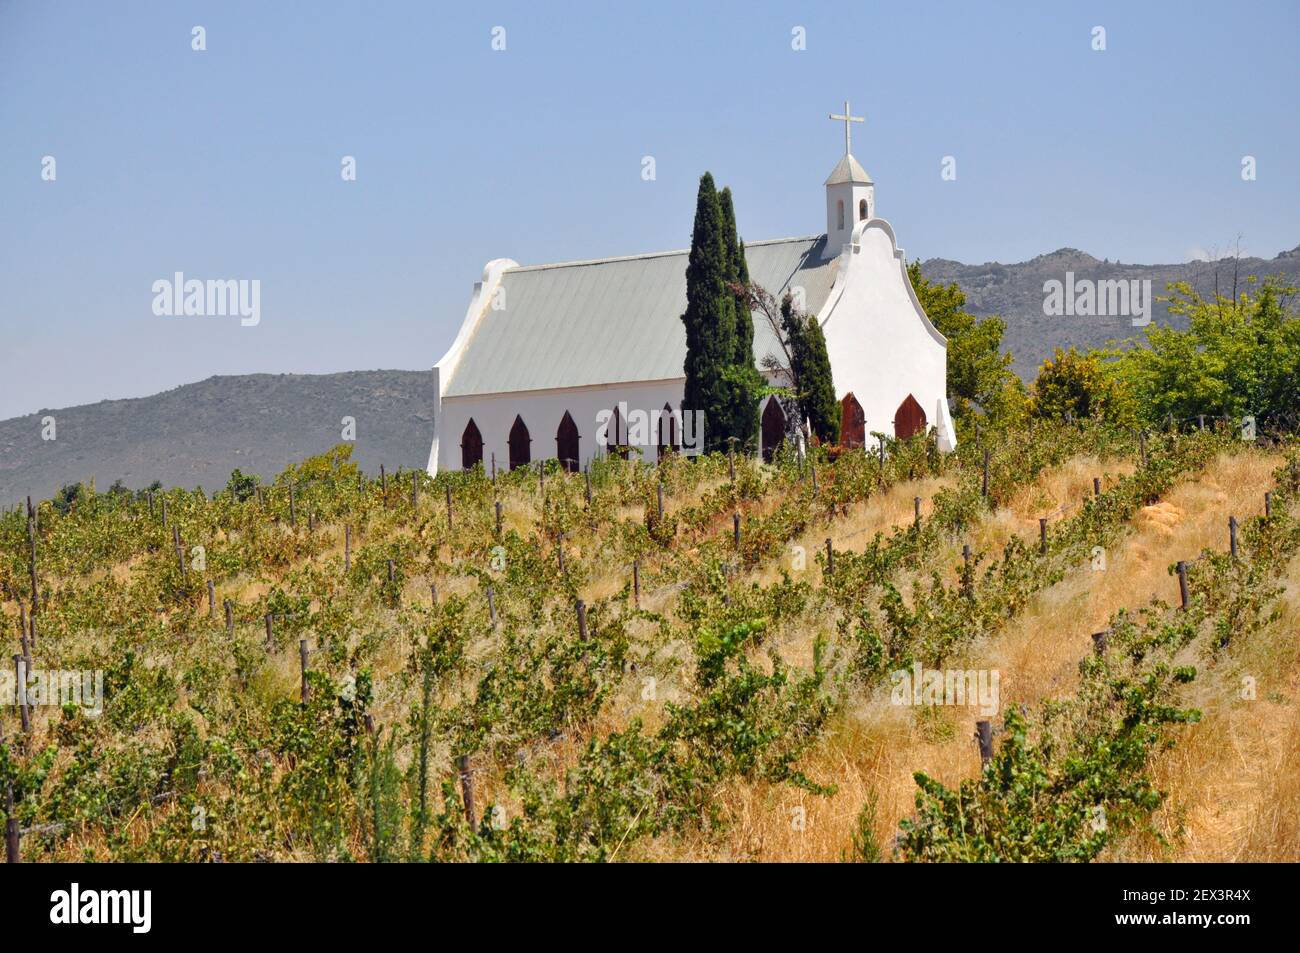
{"points": [[1234, 778], [874, 747], [1057, 494]]}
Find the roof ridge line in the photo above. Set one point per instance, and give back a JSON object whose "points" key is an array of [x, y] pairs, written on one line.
{"points": [[645, 255]]}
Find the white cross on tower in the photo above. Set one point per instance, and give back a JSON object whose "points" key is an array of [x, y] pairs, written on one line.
{"points": [[847, 118]]}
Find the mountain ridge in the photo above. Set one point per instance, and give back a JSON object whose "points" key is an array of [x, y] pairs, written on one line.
{"points": [[196, 434], [1015, 292]]}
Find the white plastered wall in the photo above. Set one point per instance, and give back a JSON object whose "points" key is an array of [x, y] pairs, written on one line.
{"points": [[542, 411]]}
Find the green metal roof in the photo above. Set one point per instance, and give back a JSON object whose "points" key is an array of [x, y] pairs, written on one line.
{"points": [[616, 319]]}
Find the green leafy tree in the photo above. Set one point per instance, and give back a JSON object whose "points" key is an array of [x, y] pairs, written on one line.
{"points": [[1073, 385], [714, 383], [333, 465], [69, 497], [979, 374], [242, 486], [744, 384], [1236, 357], [810, 367]]}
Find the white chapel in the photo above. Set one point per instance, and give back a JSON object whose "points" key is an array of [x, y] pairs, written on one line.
{"points": [[547, 354]]}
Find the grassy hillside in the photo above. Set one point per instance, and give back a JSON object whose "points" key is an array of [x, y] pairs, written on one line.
{"points": [[475, 692]]}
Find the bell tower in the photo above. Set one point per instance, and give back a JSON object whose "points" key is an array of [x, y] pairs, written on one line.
{"points": [[850, 193]]}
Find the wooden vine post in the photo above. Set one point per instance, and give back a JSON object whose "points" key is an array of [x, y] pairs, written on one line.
{"points": [[31, 555], [581, 609], [20, 692], [302, 664], [13, 854], [180, 553], [984, 734], [23, 644], [467, 789]]}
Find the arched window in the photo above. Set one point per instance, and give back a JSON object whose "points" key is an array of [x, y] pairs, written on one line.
{"points": [[614, 436], [862, 210], [520, 444], [773, 428], [471, 446], [853, 422], [566, 443], [667, 431], [841, 214], [909, 419]]}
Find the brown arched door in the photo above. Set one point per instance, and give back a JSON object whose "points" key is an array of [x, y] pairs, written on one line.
{"points": [[667, 431], [471, 446], [566, 443], [853, 422], [909, 419], [520, 444], [614, 436], [773, 428]]}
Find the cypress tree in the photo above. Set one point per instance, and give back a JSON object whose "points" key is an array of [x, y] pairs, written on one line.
{"points": [[811, 368], [739, 275], [743, 382], [710, 318]]}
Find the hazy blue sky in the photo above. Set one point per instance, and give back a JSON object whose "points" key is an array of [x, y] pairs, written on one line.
{"points": [[226, 163]]}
